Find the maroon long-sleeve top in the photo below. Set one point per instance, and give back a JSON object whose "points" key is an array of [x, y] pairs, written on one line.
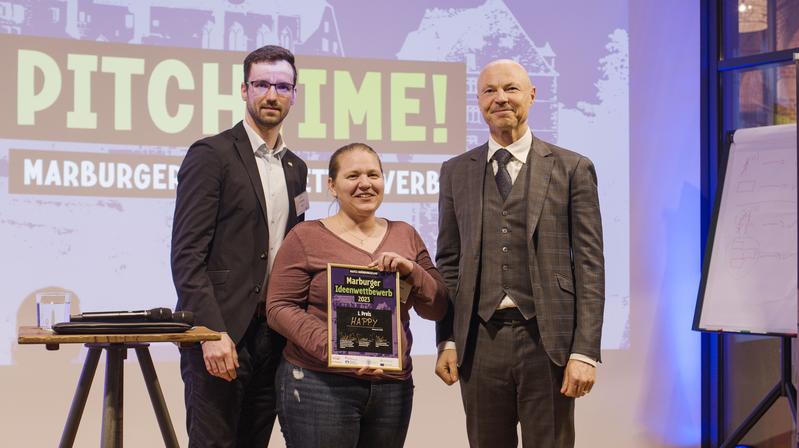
{"points": [[297, 294]]}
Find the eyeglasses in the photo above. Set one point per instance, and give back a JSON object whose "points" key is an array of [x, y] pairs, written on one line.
{"points": [[260, 87]]}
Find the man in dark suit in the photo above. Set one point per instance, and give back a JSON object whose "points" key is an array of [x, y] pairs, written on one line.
{"points": [[239, 193], [520, 248]]}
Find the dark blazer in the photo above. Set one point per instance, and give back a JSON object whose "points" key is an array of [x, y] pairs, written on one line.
{"points": [[220, 238], [564, 248]]}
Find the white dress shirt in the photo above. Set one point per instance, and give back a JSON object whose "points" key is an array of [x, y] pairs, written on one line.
{"points": [[273, 180]]}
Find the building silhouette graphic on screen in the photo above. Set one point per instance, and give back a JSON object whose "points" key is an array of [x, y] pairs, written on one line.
{"points": [[476, 36], [306, 27], [51, 232]]}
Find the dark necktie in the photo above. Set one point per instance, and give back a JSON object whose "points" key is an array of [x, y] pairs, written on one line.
{"points": [[504, 181]]}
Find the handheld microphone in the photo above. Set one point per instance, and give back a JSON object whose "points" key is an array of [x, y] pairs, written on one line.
{"points": [[185, 317], [153, 315]]}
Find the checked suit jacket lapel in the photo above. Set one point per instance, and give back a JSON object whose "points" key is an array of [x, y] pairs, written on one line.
{"points": [[475, 176], [541, 164]]}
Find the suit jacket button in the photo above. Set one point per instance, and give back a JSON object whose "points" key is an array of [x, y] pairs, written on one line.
{"points": [[263, 256], [257, 289]]}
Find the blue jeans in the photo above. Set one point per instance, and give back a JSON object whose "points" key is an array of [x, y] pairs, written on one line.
{"points": [[319, 409]]}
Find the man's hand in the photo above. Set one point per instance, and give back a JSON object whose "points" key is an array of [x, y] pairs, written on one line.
{"points": [[221, 358], [447, 366], [578, 379]]}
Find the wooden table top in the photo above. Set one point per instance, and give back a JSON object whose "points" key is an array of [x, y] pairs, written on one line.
{"points": [[36, 335]]}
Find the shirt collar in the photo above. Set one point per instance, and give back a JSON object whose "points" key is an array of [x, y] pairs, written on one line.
{"points": [[256, 142], [519, 149]]}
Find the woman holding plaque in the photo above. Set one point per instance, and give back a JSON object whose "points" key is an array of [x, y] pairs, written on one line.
{"points": [[327, 406]]}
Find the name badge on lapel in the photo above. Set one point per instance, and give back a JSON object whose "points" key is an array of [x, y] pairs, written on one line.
{"points": [[301, 203]]}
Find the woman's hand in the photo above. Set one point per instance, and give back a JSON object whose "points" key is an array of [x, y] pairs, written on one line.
{"points": [[369, 371], [393, 262]]}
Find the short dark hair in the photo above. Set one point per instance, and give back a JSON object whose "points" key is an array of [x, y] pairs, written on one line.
{"points": [[269, 53], [332, 169]]}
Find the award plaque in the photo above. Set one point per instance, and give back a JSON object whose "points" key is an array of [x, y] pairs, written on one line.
{"points": [[363, 318]]}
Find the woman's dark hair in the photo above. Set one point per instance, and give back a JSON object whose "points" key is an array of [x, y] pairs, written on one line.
{"points": [[333, 168]]}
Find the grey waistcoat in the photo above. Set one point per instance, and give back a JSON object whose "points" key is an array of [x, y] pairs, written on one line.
{"points": [[504, 262]]}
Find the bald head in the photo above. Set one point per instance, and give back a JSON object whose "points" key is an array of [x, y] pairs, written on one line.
{"points": [[505, 94], [508, 66]]}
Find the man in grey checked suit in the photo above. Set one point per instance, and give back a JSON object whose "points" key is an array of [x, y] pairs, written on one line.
{"points": [[520, 248]]}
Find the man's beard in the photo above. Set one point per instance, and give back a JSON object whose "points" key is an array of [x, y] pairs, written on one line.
{"points": [[267, 121]]}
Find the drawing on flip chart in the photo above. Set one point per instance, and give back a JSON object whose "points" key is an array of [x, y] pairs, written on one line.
{"points": [[751, 283]]}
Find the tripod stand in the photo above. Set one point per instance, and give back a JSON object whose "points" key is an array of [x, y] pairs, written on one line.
{"points": [[783, 388]]}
